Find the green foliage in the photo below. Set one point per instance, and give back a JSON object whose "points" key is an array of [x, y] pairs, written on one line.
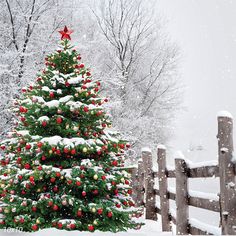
{"points": [[62, 164]]}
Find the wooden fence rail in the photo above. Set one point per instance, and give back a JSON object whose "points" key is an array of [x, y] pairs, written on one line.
{"points": [[224, 202]]}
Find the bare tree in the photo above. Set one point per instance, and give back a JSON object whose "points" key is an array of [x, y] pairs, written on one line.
{"points": [[145, 61], [27, 28]]}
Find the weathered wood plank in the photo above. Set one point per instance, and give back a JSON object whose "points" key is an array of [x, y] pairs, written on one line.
{"points": [[203, 172], [172, 196], [170, 173], [203, 203], [149, 186], [163, 186], [227, 175], [182, 211], [198, 172]]}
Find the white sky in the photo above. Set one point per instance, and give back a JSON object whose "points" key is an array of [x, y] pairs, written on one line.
{"points": [[206, 33]]}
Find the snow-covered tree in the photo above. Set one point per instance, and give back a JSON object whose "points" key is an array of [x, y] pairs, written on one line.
{"points": [[27, 32], [139, 67], [63, 164]]}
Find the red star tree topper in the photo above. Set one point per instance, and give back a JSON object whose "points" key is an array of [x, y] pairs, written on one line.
{"points": [[65, 33]]}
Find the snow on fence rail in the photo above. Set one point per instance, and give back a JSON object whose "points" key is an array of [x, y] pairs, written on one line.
{"points": [[224, 202]]}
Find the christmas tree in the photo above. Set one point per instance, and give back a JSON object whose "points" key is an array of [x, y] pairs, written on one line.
{"points": [[62, 166]]}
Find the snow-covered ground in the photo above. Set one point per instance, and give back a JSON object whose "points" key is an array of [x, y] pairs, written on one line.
{"points": [[151, 228]]}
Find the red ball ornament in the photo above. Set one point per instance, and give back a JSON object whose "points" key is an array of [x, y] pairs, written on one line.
{"points": [[52, 180], [100, 211], [31, 178], [51, 95], [72, 226], [109, 214], [78, 183], [27, 166], [73, 152], [103, 177], [95, 192], [44, 123], [55, 208], [86, 109], [125, 203], [22, 119], [129, 191], [116, 191], [69, 181], [88, 73], [55, 189], [59, 120], [58, 152], [22, 220], [99, 113], [121, 145], [59, 225], [79, 213], [39, 144], [43, 158], [118, 205], [28, 146], [20, 177], [40, 167], [58, 174], [114, 163], [104, 125], [126, 181], [84, 193], [81, 66], [67, 84], [90, 227], [22, 109], [34, 208], [50, 203], [66, 150], [34, 227], [96, 89]]}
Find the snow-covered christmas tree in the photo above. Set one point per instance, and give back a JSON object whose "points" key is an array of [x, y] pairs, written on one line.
{"points": [[62, 166]]}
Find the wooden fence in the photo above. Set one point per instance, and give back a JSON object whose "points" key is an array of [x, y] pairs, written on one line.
{"points": [[224, 203]]}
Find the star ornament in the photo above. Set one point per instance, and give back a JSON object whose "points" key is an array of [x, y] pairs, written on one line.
{"points": [[65, 33]]}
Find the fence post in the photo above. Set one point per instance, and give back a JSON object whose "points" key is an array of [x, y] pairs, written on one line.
{"points": [[182, 211], [140, 187], [150, 203], [163, 188], [227, 174]]}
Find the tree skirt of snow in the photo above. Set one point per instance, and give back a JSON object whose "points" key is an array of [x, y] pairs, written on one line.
{"points": [[151, 228]]}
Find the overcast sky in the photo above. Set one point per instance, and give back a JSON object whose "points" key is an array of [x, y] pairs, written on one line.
{"points": [[206, 33]]}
